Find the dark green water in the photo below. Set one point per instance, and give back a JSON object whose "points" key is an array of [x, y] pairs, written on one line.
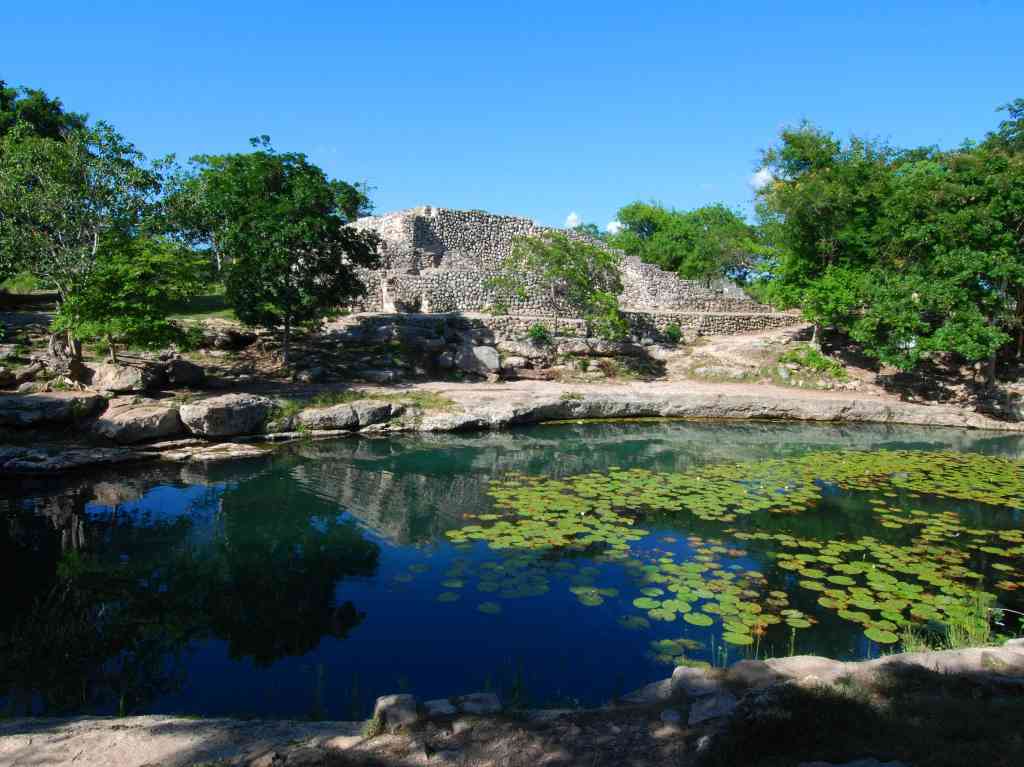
{"points": [[554, 565]]}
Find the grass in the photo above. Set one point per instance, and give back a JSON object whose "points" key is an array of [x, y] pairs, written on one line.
{"points": [[23, 282], [812, 359], [212, 305]]}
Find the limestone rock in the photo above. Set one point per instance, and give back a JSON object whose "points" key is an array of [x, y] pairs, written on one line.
{"points": [[655, 692], [128, 422], [378, 375], [33, 387], [327, 418], [50, 408], [371, 411], [224, 451], [439, 707], [479, 703], [181, 372], [712, 707], [26, 460], [7, 377], [105, 376], [693, 682], [228, 415], [523, 349], [480, 360], [396, 710], [514, 363]]}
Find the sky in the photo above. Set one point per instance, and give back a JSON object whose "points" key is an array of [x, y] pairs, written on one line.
{"points": [[557, 111]]}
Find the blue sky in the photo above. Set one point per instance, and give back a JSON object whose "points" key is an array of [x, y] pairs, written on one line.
{"points": [[531, 108]]}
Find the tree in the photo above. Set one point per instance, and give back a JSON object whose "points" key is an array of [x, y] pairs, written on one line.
{"points": [[61, 198], [276, 219], [703, 244], [40, 115], [575, 272], [129, 293], [353, 199]]}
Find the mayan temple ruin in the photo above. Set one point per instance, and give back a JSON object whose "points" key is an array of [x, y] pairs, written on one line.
{"points": [[439, 260]]}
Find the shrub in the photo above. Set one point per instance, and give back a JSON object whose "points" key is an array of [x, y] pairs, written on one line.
{"points": [[812, 359], [674, 333], [539, 334]]}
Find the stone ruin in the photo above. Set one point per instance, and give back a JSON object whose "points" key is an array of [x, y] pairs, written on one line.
{"points": [[439, 260]]}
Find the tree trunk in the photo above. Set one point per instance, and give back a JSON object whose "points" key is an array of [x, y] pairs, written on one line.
{"points": [[816, 336], [990, 370], [285, 351]]}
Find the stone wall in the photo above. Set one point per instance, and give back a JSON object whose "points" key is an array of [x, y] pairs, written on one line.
{"points": [[441, 260]]}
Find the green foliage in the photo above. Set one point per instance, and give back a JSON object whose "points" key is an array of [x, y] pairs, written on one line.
{"points": [[276, 220], [130, 291], [60, 198], [352, 199], [909, 252], [577, 273], [703, 244], [37, 113], [812, 359], [539, 334], [673, 332]]}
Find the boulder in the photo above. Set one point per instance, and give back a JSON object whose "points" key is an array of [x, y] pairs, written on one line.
{"points": [[712, 707], [105, 376], [225, 451], [28, 373], [51, 408], [228, 415], [446, 360], [396, 710], [33, 387], [181, 372], [479, 703], [514, 363], [439, 707], [481, 360], [329, 418], [6, 377], [371, 411], [523, 349], [27, 460], [379, 376], [128, 422]]}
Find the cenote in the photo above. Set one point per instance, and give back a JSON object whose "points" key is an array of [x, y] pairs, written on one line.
{"points": [[556, 565]]}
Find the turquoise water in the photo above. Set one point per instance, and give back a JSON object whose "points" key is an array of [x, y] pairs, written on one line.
{"points": [[308, 583]]}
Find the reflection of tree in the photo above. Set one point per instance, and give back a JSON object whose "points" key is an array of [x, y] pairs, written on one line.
{"points": [[104, 627]]}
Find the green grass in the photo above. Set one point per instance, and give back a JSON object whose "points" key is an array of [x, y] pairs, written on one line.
{"points": [[212, 305], [811, 359], [23, 282]]}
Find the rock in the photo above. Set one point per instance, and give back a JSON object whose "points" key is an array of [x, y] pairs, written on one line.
{"points": [[25, 460], [712, 707], [531, 374], [704, 744], [371, 411], [396, 710], [269, 759], [655, 692], [8, 351], [33, 387], [439, 707], [225, 451], [523, 349], [105, 376], [329, 418], [227, 415], [29, 373], [181, 372], [480, 360], [50, 408], [379, 376], [693, 682], [128, 422], [7, 377], [514, 363], [479, 703], [313, 375], [1017, 643], [671, 716]]}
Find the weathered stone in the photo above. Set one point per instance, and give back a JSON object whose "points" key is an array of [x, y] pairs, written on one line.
{"points": [[127, 422], [371, 411], [479, 703], [439, 707], [325, 418], [379, 376], [446, 360], [396, 710], [523, 349], [694, 682], [25, 460], [655, 692], [33, 387], [712, 707], [671, 716], [105, 376], [224, 451], [181, 372], [50, 408], [478, 359], [28, 373], [514, 363], [7, 377], [228, 415]]}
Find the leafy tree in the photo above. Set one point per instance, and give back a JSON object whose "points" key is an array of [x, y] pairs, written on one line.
{"points": [[590, 230], [276, 219], [62, 198], [353, 199], [129, 293], [703, 244], [40, 115], [574, 272]]}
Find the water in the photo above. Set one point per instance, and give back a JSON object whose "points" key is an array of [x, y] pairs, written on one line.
{"points": [[308, 583]]}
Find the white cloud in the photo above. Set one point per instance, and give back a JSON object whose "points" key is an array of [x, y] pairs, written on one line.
{"points": [[613, 227], [761, 179], [572, 220]]}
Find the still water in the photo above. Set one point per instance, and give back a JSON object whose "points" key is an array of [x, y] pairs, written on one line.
{"points": [[555, 565]]}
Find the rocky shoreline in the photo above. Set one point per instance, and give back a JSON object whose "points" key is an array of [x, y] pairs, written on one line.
{"points": [[240, 425], [682, 719]]}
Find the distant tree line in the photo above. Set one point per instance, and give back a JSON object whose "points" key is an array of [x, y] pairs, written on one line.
{"points": [[908, 252]]}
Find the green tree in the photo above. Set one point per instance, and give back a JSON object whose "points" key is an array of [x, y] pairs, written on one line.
{"points": [[129, 293], [703, 244], [353, 199], [573, 272], [61, 198], [36, 112], [275, 218]]}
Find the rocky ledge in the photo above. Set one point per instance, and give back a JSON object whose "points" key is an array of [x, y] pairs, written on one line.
{"points": [[686, 719]]}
